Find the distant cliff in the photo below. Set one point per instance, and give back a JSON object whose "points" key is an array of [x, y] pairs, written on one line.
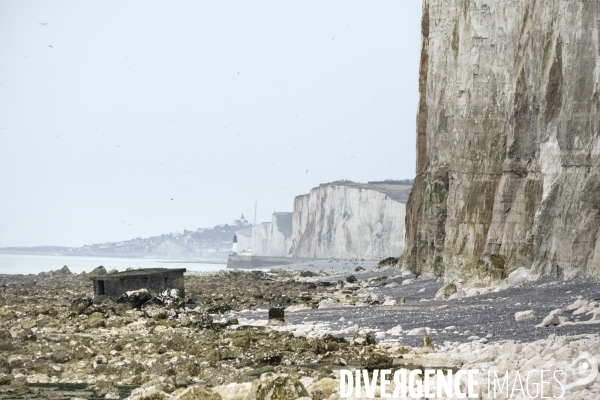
{"points": [[273, 238], [345, 219], [508, 141]]}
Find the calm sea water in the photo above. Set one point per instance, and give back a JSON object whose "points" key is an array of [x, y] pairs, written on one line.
{"points": [[29, 264]]}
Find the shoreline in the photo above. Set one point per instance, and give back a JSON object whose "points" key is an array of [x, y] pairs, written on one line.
{"points": [[19, 264], [203, 261], [220, 339]]}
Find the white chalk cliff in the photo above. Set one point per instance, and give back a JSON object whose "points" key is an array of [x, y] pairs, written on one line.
{"points": [[508, 140], [273, 238], [345, 220], [341, 219]]}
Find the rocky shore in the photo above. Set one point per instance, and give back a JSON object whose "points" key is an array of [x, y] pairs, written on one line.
{"points": [[282, 334]]}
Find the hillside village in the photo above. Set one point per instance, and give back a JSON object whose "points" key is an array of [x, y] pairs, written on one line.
{"points": [[206, 244]]}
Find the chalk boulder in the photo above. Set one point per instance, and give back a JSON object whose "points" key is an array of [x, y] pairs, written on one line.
{"points": [[528, 315]]}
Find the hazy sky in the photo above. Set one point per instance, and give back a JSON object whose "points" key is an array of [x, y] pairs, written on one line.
{"points": [[123, 119]]}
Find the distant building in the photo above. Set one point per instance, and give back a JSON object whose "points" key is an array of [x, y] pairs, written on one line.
{"points": [[241, 222], [234, 247], [113, 286]]}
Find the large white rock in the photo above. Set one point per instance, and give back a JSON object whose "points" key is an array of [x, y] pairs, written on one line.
{"points": [[418, 332], [552, 319], [528, 315], [395, 331], [580, 302], [241, 391], [296, 308], [149, 393], [446, 291], [328, 303], [521, 275], [348, 331]]}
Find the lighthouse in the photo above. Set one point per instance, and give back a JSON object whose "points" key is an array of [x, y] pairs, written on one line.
{"points": [[234, 247]]}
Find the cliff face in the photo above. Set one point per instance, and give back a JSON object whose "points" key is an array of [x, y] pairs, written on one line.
{"points": [[244, 237], [273, 238], [347, 220], [507, 139]]}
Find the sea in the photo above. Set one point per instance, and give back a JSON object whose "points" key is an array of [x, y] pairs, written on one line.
{"points": [[34, 264]]}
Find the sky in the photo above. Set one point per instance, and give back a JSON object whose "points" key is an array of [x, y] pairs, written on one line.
{"points": [[133, 119]]}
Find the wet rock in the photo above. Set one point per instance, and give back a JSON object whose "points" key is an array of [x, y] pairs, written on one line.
{"points": [[278, 387], [364, 339], [446, 291], [80, 304], [276, 316], [374, 360], [203, 320], [199, 392], [51, 311], [219, 309], [156, 312], [149, 393], [95, 320], [19, 386], [60, 356], [182, 380], [170, 298], [25, 334], [106, 389], [5, 379], [351, 279], [136, 298], [358, 269], [327, 343], [388, 262]]}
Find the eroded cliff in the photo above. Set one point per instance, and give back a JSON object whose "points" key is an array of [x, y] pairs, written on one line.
{"points": [[346, 220], [273, 238], [507, 138]]}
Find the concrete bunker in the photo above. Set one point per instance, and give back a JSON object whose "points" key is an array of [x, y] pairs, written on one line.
{"points": [[112, 286]]}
